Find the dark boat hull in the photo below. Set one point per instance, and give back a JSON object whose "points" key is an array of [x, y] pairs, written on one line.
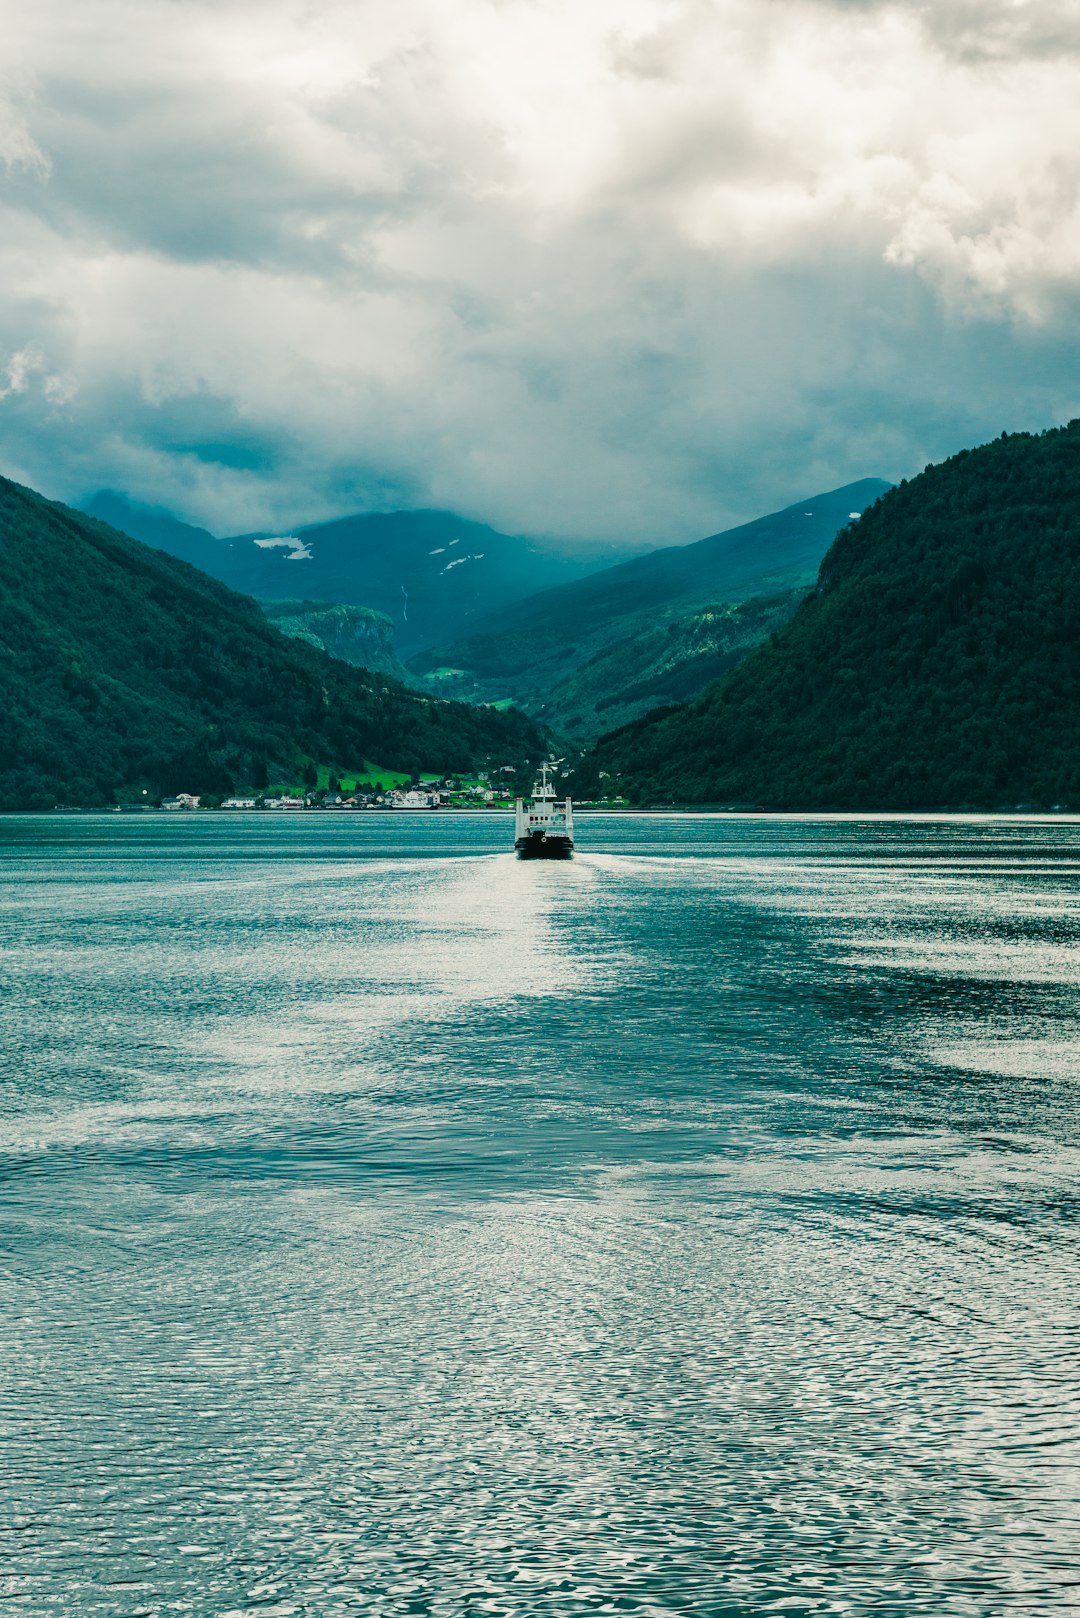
{"points": [[538, 846]]}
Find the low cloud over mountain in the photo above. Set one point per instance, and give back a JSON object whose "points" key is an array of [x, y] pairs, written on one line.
{"points": [[639, 268]]}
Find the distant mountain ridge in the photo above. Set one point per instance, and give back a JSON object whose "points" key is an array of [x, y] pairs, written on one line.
{"points": [[572, 653], [935, 665], [158, 528], [123, 669], [430, 572]]}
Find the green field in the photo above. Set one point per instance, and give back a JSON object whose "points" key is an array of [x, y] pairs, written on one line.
{"points": [[370, 773], [350, 780]]}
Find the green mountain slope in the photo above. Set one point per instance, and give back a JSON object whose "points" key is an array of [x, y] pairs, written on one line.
{"points": [[667, 662], [157, 528], [571, 655], [123, 668], [431, 572], [936, 664]]}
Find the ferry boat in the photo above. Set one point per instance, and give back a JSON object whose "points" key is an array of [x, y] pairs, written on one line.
{"points": [[545, 829]]}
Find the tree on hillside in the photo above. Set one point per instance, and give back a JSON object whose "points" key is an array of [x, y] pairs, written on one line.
{"points": [[936, 664]]}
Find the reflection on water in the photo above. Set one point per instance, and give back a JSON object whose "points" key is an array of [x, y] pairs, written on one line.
{"points": [[391, 1227]]}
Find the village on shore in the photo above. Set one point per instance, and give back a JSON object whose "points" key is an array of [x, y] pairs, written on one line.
{"points": [[482, 791]]}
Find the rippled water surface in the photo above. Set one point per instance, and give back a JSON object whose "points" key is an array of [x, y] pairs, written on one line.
{"points": [[389, 1227]]}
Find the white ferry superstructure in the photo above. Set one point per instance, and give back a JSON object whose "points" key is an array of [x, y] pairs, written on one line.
{"points": [[544, 825]]}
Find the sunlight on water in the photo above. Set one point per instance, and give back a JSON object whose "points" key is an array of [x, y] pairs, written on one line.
{"points": [[391, 1227]]}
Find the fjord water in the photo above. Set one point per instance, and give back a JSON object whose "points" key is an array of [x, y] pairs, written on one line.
{"points": [[390, 1227]]}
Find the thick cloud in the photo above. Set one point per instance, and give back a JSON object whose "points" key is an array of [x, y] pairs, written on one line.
{"points": [[630, 269]]}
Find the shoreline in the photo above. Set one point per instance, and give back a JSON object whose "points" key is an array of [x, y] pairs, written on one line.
{"points": [[654, 811]]}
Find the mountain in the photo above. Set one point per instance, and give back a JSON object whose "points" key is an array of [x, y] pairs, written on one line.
{"points": [[432, 573], [573, 654], [935, 665], [669, 663], [158, 528], [356, 635], [123, 668]]}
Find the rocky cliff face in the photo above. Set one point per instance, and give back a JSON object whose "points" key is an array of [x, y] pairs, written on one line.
{"points": [[356, 635]]}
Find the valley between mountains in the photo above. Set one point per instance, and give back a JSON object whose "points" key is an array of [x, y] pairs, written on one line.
{"points": [[581, 646], [870, 647]]}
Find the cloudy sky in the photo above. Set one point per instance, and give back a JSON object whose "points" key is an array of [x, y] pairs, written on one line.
{"points": [[616, 269]]}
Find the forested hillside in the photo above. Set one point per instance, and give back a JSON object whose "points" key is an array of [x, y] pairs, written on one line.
{"points": [[652, 629], [670, 660], [936, 664], [122, 668]]}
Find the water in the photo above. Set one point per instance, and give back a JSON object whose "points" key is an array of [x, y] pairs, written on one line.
{"points": [[389, 1227]]}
